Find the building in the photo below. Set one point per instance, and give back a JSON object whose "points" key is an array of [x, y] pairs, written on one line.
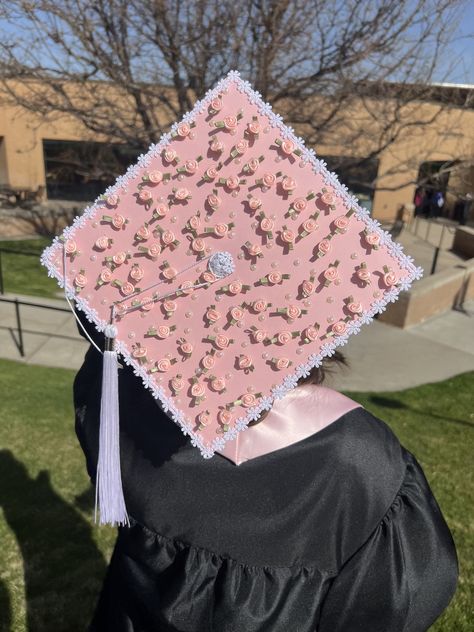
{"points": [[58, 159]]}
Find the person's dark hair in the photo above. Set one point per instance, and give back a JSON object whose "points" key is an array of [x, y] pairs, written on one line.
{"points": [[317, 375]]}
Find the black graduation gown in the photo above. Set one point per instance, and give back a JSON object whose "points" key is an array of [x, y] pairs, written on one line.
{"points": [[339, 532]]}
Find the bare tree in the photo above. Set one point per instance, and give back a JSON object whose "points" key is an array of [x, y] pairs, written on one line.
{"points": [[342, 72]]}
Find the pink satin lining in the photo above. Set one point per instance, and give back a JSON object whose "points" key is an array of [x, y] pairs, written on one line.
{"points": [[305, 410]]}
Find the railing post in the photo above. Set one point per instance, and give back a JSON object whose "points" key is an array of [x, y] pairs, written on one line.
{"points": [[2, 288], [435, 260], [20, 331]]}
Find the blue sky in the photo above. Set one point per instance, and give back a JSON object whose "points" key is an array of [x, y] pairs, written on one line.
{"points": [[462, 49]]}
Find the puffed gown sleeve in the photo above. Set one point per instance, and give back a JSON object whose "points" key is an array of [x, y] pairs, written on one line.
{"points": [[405, 574]]}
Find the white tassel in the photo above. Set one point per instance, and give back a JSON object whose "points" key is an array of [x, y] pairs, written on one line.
{"points": [[109, 493]]}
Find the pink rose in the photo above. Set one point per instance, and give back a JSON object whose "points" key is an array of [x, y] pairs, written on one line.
{"points": [[268, 179], [177, 384], [186, 348], [163, 331], [248, 399], [118, 221], [287, 147], [288, 236], [218, 384], [232, 182], [293, 311], [288, 184], [213, 315], [105, 275], [204, 419], [311, 333], [324, 246], [254, 127], [225, 417], [327, 198], [144, 195], [355, 308], [241, 147], [209, 277], [183, 130], [187, 287], [163, 365], [260, 306], [373, 239], [235, 287], [197, 390], [170, 306], [162, 209], [191, 166], [181, 194], [259, 335], [341, 222], [216, 104], [211, 173], [253, 165], [169, 155], [308, 288], [284, 337], [195, 222], [112, 200], [127, 289], [331, 273], [267, 224], [254, 250], [198, 244], [339, 327], [274, 277], [155, 176], [244, 362], [390, 279], [143, 232], [299, 204], [70, 246], [230, 122], [213, 201], [102, 243], [170, 273], [208, 361], [310, 225], [237, 313], [222, 341], [217, 145], [221, 230], [363, 274], [154, 250], [282, 363], [167, 237], [119, 258], [255, 203], [139, 352]]}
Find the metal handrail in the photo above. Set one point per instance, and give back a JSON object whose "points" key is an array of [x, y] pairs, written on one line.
{"points": [[17, 303]]}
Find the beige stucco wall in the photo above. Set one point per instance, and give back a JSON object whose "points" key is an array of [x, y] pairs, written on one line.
{"points": [[449, 135]]}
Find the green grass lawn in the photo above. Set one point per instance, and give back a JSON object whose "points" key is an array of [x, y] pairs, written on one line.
{"points": [[24, 274], [52, 558]]}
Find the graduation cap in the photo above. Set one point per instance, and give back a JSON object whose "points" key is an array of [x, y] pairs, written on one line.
{"points": [[223, 266]]}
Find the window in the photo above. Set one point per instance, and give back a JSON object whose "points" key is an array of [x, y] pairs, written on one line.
{"points": [[77, 170], [358, 174]]}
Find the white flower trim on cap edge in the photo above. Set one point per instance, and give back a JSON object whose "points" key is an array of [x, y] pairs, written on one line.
{"points": [[327, 348]]}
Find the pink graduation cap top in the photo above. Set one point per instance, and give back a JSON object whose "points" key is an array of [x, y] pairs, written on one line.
{"points": [[230, 262]]}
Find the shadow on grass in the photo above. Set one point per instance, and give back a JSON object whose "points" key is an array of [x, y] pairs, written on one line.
{"points": [[396, 404], [63, 568]]}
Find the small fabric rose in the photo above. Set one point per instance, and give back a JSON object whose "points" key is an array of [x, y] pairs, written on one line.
{"points": [[194, 222], [288, 184], [198, 390], [117, 221], [293, 311], [144, 195], [311, 334], [182, 194], [217, 146], [70, 247], [112, 200], [327, 198], [102, 243], [215, 105], [147, 303], [127, 288], [307, 288], [168, 237], [177, 384], [198, 244], [248, 399], [169, 155], [222, 341], [170, 307], [119, 258], [163, 365], [324, 247], [143, 233], [203, 420], [154, 177], [330, 274], [183, 130], [186, 348], [232, 182], [153, 250], [255, 203], [245, 362], [267, 224], [254, 127], [288, 237], [239, 148], [191, 166], [213, 315], [105, 276], [140, 353], [260, 306], [214, 201], [163, 331], [341, 223], [218, 384], [389, 278], [230, 122], [274, 278], [236, 314], [235, 287], [80, 280], [161, 210], [259, 335], [355, 307], [267, 180], [373, 239], [339, 328], [208, 361], [210, 174], [169, 273], [284, 337], [225, 417], [254, 250], [282, 363], [363, 274]]}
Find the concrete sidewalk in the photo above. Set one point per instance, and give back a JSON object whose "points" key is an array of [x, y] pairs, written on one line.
{"points": [[382, 357]]}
